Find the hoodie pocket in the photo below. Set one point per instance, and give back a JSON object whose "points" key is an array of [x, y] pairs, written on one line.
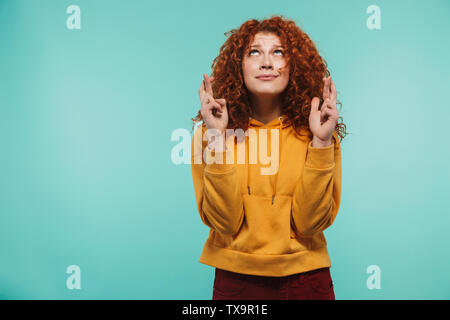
{"points": [[304, 242], [298, 240]]}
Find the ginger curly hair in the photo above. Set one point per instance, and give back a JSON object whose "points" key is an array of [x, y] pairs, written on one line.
{"points": [[307, 69]]}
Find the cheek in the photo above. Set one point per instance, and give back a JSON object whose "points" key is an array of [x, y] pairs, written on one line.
{"points": [[284, 71], [245, 69], [283, 68], [249, 70], [252, 67]]}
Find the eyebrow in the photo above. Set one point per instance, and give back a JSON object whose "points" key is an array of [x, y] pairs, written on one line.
{"points": [[258, 46]]}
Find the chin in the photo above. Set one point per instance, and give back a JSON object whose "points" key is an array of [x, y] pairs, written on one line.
{"points": [[267, 92]]}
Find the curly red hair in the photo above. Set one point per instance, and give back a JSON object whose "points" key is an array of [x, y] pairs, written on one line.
{"points": [[307, 69]]}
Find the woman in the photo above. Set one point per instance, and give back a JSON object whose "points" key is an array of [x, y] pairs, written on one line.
{"points": [[266, 230]]}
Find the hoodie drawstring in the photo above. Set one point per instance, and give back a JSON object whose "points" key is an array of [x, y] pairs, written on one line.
{"points": [[248, 163], [280, 139], [279, 158]]}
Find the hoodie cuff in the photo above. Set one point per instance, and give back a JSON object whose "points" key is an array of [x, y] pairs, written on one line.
{"points": [[320, 157], [221, 157]]}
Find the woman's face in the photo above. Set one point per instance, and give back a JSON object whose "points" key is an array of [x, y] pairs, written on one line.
{"points": [[265, 56]]}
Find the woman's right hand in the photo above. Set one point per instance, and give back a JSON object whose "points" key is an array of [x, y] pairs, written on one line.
{"points": [[214, 111]]}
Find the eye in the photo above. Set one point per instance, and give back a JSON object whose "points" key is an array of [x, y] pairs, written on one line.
{"points": [[279, 51]]}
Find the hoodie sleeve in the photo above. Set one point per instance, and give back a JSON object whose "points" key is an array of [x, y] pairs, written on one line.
{"points": [[317, 195], [217, 192]]}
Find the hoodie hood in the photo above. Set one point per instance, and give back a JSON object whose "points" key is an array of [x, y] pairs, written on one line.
{"points": [[278, 122]]}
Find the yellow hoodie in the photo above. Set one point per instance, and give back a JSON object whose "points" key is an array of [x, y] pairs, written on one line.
{"points": [[268, 225]]}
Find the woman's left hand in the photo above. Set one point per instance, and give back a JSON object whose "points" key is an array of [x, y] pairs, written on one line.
{"points": [[323, 122]]}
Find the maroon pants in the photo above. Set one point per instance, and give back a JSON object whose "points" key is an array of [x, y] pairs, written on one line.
{"points": [[311, 285]]}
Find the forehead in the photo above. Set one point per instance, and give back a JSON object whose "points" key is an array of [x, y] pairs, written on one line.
{"points": [[265, 38]]}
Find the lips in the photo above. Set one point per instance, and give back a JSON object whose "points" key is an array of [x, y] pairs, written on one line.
{"points": [[266, 77]]}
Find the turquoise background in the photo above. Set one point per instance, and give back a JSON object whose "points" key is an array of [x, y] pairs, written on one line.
{"points": [[86, 116]]}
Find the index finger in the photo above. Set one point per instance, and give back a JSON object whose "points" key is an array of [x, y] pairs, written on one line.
{"points": [[333, 91], [208, 87], [326, 88], [201, 91]]}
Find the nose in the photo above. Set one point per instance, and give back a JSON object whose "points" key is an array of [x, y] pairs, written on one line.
{"points": [[266, 63]]}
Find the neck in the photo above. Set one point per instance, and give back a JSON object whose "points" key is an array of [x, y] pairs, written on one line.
{"points": [[266, 108]]}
